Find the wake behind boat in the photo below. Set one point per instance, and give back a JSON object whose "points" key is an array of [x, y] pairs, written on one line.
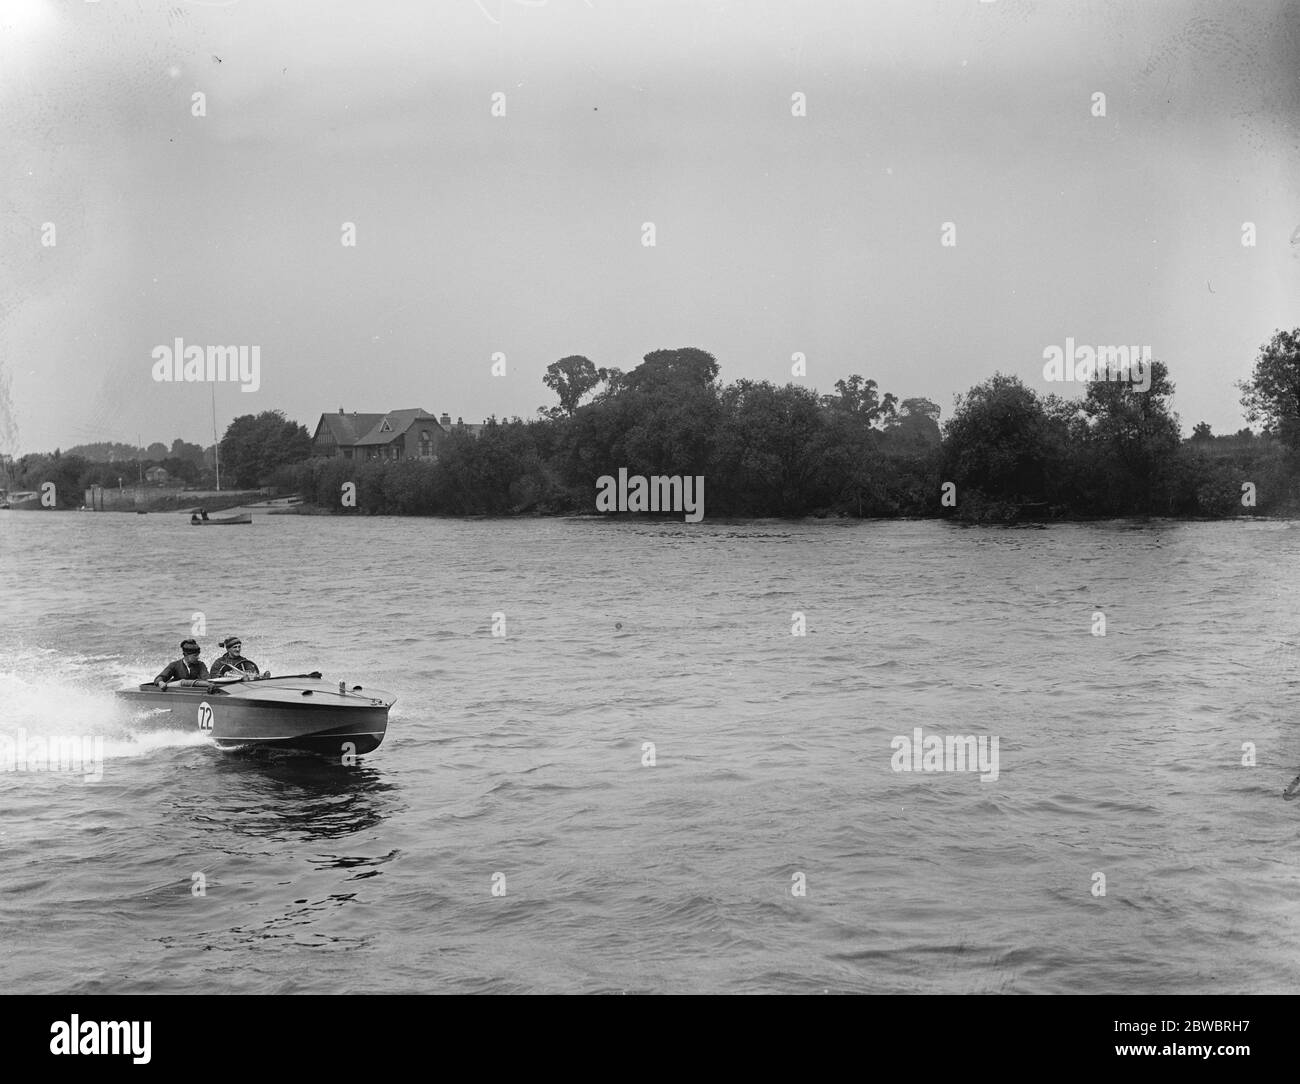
{"points": [[296, 712]]}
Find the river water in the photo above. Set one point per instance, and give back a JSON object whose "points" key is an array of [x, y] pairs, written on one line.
{"points": [[511, 833]]}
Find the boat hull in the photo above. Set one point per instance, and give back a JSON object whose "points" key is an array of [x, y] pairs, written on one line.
{"points": [[223, 521], [279, 713]]}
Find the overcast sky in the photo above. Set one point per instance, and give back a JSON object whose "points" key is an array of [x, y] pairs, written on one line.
{"points": [[522, 235]]}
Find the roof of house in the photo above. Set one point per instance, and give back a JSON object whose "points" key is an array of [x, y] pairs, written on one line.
{"points": [[393, 424], [346, 428], [350, 430]]}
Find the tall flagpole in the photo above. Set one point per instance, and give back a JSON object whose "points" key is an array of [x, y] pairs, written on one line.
{"points": [[216, 444]]}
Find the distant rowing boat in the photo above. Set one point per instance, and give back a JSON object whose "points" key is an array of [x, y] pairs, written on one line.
{"points": [[221, 521]]}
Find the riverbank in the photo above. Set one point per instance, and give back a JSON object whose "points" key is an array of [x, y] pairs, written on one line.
{"points": [[974, 512], [1290, 511], [189, 500]]}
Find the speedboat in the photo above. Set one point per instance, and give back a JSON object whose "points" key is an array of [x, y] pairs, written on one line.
{"points": [[296, 712]]}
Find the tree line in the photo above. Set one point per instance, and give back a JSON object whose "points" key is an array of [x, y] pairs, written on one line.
{"points": [[253, 446], [1008, 453]]}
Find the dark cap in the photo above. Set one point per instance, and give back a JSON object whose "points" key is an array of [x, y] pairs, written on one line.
{"points": [[189, 646], [231, 641]]}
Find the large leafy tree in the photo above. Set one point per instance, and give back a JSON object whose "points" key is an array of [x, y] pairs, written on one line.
{"points": [[998, 440], [1272, 394], [660, 418], [1134, 436], [915, 423], [849, 445], [571, 379], [860, 397], [768, 449], [685, 368], [255, 445], [672, 403]]}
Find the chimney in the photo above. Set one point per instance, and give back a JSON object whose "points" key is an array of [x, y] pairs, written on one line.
{"points": [[445, 419], [340, 410]]}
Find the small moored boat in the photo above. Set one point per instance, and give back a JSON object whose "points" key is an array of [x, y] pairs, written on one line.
{"points": [[221, 521], [296, 712]]}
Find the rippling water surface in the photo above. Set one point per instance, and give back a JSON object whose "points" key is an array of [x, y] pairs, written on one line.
{"points": [[523, 756]]}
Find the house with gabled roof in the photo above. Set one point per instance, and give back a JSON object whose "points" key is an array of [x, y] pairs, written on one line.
{"points": [[411, 433], [336, 434]]}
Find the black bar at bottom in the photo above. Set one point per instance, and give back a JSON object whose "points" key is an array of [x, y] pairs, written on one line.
{"points": [[330, 1033]]}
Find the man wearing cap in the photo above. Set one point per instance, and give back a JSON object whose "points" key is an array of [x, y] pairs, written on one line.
{"points": [[188, 668], [233, 662]]}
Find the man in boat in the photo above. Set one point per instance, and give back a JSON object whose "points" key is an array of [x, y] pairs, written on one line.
{"points": [[233, 662], [188, 669]]}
